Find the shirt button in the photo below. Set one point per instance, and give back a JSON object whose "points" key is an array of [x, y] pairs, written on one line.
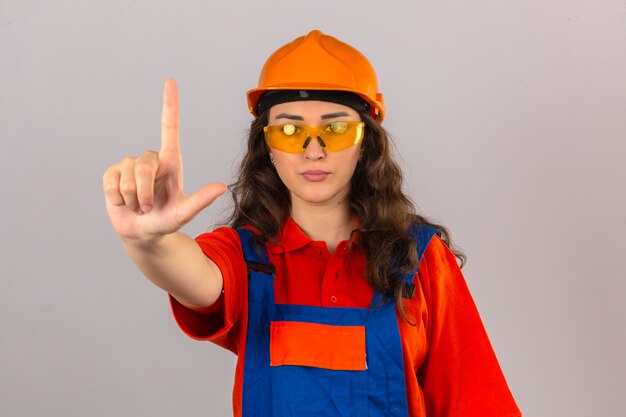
{"points": [[333, 299], [317, 251]]}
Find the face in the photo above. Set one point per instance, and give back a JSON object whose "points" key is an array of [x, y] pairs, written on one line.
{"points": [[316, 176]]}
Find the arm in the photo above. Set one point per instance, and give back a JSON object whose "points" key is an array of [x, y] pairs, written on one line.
{"points": [[461, 375], [176, 264], [147, 206]]}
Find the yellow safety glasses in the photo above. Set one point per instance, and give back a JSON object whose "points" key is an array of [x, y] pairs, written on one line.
{"points": [[333, 136]]}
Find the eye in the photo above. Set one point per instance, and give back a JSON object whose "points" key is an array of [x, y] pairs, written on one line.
{"points": [[336, 127], [290, 129]]}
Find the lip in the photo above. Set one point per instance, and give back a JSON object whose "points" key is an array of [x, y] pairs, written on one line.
{"points": [[315, 175]]}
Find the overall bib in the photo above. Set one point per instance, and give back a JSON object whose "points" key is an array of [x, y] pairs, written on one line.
{"points": [[321, 361]]}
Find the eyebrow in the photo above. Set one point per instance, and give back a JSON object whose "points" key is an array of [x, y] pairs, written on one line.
{"points": [[289, 116], [333, 115]]}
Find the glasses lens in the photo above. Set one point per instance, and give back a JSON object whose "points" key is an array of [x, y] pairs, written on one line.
{"points": [[335, 136], [341, 135], [287, 138]]}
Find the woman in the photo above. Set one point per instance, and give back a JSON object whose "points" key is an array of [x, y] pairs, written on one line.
{"points": [[336, 296]]}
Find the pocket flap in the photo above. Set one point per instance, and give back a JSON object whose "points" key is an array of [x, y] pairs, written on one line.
{"points": [[317, 345]]}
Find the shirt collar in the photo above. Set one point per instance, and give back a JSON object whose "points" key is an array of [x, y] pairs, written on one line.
{"points": [[291, 238]]}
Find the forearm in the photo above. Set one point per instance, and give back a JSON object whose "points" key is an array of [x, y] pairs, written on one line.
{"points": [[176, 264]]}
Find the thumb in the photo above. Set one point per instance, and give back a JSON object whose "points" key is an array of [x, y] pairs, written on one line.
{"points": [[191, 205]]}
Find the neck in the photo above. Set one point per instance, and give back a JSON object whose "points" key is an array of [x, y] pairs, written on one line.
{"points": [[329, 223]]}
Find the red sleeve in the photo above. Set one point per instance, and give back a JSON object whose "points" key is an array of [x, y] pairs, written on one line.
{"points": [[460, 375], [220, 322]]}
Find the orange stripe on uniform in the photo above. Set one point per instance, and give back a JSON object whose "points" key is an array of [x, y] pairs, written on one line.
{"points": [[317, 345]]}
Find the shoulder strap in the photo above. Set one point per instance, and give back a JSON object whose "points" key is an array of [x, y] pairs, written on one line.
{"points": [[255, 257], [423, 234]]}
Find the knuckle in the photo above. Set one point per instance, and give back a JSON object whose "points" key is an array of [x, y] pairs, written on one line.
{"points": [[144, 169], [110, 187], [129, 160], [128, 188], [110, 178], [109, 172]]}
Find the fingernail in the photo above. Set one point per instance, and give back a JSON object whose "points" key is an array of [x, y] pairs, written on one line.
{"points": [[146, 208]]}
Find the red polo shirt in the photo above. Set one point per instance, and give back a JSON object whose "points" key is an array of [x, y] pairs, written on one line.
{"points": [[449, 365]]}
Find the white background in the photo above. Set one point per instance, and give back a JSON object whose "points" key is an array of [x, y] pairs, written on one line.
{"points": [[509, 119]]}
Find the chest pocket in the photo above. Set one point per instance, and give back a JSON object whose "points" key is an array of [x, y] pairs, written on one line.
{"points": [[317, 345]]}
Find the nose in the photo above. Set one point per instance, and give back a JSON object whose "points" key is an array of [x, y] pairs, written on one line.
{"points": [[314, 149]]}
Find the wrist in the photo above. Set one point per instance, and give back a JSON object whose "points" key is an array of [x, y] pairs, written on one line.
{"points": [[147, 244]]}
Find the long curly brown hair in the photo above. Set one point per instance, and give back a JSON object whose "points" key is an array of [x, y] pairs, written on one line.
{"points": [[376, 198]]}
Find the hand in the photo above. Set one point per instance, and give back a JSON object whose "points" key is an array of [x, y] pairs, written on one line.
{"points": [[144, 195]]}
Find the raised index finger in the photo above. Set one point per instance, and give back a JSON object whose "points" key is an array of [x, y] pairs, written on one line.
{"points": [[170, 118]]}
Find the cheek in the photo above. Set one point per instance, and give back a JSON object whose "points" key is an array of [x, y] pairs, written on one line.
{"points": [[352, 156], [282, 158], [284, 163]]}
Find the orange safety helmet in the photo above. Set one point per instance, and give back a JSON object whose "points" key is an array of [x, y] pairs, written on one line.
{"points": [[319, 62]]}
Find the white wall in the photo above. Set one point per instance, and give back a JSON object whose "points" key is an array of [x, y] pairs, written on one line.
{"points": [[509, 116]]}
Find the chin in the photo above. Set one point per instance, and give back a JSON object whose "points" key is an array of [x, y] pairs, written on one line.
{"points": [[321, 196]]}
